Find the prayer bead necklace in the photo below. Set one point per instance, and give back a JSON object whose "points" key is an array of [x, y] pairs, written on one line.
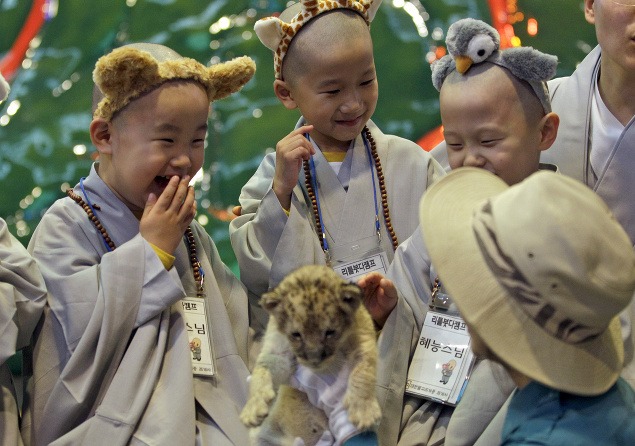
{"points": [[189, 237], [382, 189]]}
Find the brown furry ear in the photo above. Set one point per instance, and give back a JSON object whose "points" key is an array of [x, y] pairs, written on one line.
{"points": [[229, 77], [270, 300], [352, 296], [125, 70], [128, 72]]}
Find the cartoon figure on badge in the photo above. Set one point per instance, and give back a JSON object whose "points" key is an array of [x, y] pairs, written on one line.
{"points": [[195, 347], [446, 371]]}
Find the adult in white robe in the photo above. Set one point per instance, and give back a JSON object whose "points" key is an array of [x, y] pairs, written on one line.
{"points": [[571, 98], [112, 361], [22, 298]]}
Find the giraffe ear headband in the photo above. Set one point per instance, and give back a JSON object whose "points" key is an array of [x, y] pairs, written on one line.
{"points": [[4, 88], [276, 33], [128, 72], [471, 41]]}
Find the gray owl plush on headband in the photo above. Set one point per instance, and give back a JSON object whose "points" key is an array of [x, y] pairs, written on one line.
{"points": [[471, 41]]}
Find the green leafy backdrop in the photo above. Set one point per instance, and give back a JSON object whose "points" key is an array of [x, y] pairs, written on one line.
{"points": [[42, 141]]}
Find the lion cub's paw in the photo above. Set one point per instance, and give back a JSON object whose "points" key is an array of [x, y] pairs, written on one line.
{"points": [[257, 409], [363, 413]]}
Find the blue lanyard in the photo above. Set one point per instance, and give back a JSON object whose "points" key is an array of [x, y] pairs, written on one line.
{"points": [[325, 245]]}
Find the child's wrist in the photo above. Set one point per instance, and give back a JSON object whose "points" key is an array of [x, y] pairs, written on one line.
{"points": [[284, 197], [166, 258]]}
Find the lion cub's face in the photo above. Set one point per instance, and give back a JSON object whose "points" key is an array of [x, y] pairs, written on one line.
{"points": [[314, 308]]}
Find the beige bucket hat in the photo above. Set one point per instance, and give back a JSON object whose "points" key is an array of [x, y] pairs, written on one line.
{"points": [[540, 270]]}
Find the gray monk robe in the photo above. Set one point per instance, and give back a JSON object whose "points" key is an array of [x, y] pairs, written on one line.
{"points": [[269, 245], [22, 298], [571, 99], [425, 422], [112, 360]]}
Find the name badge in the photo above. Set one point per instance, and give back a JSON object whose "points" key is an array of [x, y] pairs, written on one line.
{"points": [[198, 335], [354, 270], [443, 360]]}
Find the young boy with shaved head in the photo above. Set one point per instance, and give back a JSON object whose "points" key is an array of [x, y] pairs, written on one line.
{"points": [[337, 191]]}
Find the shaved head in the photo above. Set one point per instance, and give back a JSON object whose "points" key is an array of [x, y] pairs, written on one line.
{"points": [[333, 28], [494, 77]]}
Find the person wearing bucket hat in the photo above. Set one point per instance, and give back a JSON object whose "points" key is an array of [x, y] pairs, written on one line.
{"points": [[129, 271], [22, 298], [540, 272], [496, 116]]}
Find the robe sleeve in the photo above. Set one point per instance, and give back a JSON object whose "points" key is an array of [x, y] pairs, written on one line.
{"points": [[267, 243], [440, 154], [22, 298], [95, 303], [22, 294], [78, 275], [482, 407], [411, 272]]}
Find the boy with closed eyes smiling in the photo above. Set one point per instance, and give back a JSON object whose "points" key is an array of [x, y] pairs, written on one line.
{"points": [[497, 117]]}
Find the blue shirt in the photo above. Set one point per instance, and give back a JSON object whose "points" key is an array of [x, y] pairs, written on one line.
{"points": [[539, 415]]}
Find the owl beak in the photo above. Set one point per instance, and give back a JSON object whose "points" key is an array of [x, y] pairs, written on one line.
{"points": [[463, 63]]}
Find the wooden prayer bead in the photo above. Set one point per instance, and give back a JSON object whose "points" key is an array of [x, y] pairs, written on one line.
{"points": [[196, 268], [382, 187]]}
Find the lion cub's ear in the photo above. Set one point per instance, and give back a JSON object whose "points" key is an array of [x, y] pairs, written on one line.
{"points": [[351, 296], [270, 300]]}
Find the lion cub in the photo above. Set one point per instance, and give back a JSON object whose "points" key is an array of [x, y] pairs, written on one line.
{"points": [[318, 330]]}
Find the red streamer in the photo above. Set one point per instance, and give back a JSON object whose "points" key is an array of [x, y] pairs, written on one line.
{"points": [[14, 57]]}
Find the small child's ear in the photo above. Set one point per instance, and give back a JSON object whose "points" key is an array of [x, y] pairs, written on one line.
{"points": [[281, 89], [589, 11], [548, 130], [100, 135]]}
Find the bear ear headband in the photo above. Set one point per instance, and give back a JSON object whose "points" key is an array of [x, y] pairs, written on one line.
{"points": [[471, 41], [128, 72], [4, 88], [276, 33]]}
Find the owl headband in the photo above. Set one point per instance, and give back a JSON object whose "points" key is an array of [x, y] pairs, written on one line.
{"points": [[276, 33], [130, 71], [471, 41]]}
